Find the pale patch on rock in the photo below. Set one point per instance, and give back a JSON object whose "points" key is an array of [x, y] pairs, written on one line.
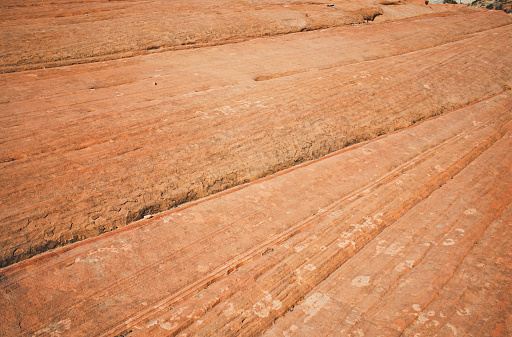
{"points": [[422, 319], [454, 330], [359, 332], [168, 325], [293, 328], [55, 329], [265, 305], [91, 258], [346, 243], [464, 312], [369, 222], [150, 324], [394, 249], [416, 307], [406, 264], [361, 281], [276, 305], [299, 248], [314, 304], [448, 242], [230, 311], [310, 267], [470, 211]]}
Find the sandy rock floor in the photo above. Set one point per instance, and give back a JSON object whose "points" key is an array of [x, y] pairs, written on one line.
{"points": [[254, 168]]}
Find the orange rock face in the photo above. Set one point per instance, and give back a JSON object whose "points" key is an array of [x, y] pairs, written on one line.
{"points": [[256, 168]]}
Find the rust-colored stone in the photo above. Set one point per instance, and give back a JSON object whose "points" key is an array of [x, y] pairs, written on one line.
{"points": [[89, 148], [352, 180]]}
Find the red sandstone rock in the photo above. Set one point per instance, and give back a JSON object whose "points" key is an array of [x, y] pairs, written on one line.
{"points": [[89, 148], [358, 234], [282, 225]]}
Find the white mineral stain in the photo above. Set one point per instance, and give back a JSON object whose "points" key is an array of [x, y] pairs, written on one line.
{"points": [[230, 310], [299, 248], [168, 325], [406, 264], [400, 267], [367, 151], [54, 329], [464, 312], [394, 249], [470, 211], [265, 305], [454, 330], [310, 267], [152, 323], [359, 332], [346, 243], [448, 242], [315, 303], [361, 281], [422, 319], [276, 305], [416, 307]]}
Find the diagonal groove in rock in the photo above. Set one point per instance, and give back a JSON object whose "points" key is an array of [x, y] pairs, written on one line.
{"points": [[478, 124], [394, 211], [276, 239], [320, 133], [399, 293], [245, 256]]}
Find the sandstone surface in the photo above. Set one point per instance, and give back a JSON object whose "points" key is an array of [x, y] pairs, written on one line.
{"points": [[358, 242], [275, 168], [90, 148]]}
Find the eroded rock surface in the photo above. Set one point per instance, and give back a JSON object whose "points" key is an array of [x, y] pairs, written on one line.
{"points": [[404, 234], [89, 148], [255, 168]]}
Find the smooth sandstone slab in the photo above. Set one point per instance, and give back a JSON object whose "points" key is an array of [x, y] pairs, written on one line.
{"points": [[89, 148], [236, 261]]}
